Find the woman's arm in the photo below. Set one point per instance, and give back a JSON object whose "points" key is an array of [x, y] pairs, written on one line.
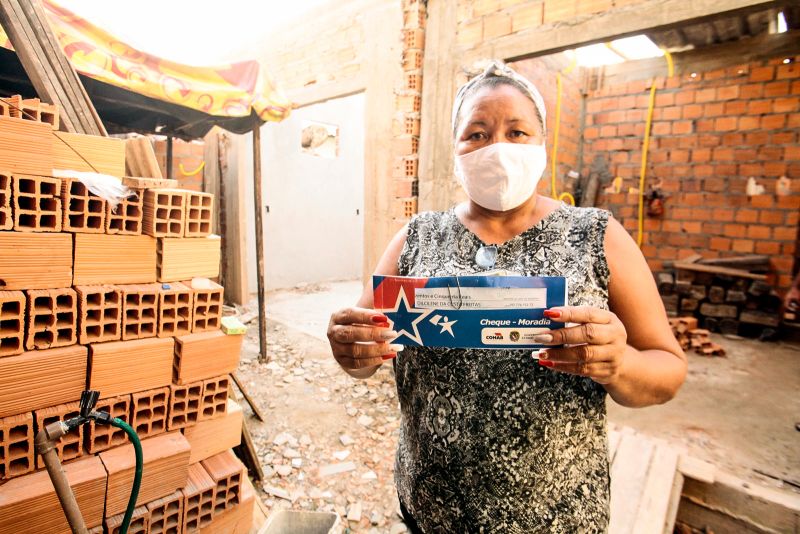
{"points": [[357, 340], [630, 349], [654, 365]]}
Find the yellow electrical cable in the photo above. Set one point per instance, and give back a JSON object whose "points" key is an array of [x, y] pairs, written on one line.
{"points": [[554, 153], [646, 147], [568, 196], [192, 173]]}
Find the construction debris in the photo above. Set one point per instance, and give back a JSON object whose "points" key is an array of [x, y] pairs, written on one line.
{"points": [[697, 339]]}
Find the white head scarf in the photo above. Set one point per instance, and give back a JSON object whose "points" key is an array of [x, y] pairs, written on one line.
{"points": [[498, 69]]}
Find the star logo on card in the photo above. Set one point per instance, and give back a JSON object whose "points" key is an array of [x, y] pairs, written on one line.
{"points": [[445, 323], [405, 320]]}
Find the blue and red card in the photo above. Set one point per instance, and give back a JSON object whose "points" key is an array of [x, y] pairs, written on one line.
{"points": [[482, 312]]}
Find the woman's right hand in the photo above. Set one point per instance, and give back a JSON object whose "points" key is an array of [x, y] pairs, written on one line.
{"points": [[359, 340]]}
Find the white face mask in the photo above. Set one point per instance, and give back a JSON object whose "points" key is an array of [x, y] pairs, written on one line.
{"points": [[501, 176]]}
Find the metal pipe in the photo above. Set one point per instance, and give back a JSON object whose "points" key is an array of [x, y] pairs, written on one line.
{"points": [[45, 442]]}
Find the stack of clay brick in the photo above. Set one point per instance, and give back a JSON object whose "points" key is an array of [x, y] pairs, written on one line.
{"points": [[697, 339], [120, 301]]}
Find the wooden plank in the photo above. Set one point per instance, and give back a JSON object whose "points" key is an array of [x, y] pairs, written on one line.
{"points": [[29, 505], [234, 174], [725, 271], [259, 208], [674, 504], [658, 491], [140, 158], [253, 404], [697, 469], [135, 182], [628, 477], [114, 259], [205, 355], [184, 259], [213, 436], [89, 153], [249, 455], [30, 383], [123, 367], [166, 468]]}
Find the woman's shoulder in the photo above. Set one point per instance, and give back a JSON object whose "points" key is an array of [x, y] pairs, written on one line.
{"points": [[587, 215], [431, 219]]}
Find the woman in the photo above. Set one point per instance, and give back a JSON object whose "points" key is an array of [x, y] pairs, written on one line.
{"points": [[495, 440]]}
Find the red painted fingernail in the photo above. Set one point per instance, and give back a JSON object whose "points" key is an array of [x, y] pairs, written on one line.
{"points": [[543, 355], [379, 318], [546, 363], [382, 325], [552, 314], [388, 356]]}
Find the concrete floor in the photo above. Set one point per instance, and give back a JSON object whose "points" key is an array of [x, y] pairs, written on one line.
{"points": [[738, 412]]}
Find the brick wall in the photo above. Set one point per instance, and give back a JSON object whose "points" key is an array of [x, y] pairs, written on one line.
{"points": [[187, 154], [484, 20], [542, 72], [710, 132]]}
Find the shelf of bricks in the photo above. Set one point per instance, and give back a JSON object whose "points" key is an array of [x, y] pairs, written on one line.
{"points": [[119, 299]]}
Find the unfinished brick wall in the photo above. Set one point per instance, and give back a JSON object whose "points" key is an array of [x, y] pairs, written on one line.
{"points": [[710, 133], [12, 322], [52, 316], [16, 445], [480, 21]]}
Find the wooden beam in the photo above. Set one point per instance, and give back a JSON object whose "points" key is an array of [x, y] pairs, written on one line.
{"points": [[713, 269], [615, 23], [50, 72], [259, 207], [316, 93], [438, 92]]}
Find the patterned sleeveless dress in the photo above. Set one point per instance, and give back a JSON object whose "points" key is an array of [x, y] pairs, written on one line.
{"points": [[489, 440]]}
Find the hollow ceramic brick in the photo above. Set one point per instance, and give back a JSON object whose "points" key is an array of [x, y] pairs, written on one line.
{"points": [[206, 304], [199, 214], [84, 211], [70, 446], [184, 405], [166, 514], [37, 203], [215, 397], [140, 522], [16, 445], [149, 411], [198, 504], [12, 322], [174, 310], [227, 472], [99, 313], [139, 310], [164, 212], [103, 437], [126, 218], [52, 316], [6, 220]]}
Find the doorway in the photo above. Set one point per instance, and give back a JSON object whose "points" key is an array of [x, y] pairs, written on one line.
{"points": [[314, 194]]}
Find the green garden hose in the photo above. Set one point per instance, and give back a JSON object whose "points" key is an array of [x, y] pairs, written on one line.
{"points": [[137, 477]]}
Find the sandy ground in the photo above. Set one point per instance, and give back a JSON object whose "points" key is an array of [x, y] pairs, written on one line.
{"points": [[328, 442]]}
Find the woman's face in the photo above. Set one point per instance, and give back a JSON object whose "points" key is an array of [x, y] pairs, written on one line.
{"points": [[499, 114]]}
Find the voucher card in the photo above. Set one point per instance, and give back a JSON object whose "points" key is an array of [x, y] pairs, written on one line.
{"points": [[497, 312]]}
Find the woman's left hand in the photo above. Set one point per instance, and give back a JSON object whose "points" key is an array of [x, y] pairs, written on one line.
{"points": [[597, 343]]}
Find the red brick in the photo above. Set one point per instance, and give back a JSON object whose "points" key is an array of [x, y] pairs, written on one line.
{"points": [[749, 123], [767, 247], [757, 138], [791, 70], [776, 89], [773, 122], [701, 155], [728, 92], [715, 109], [755, 90], [789, 248], [775, 168], [770, 153], [684, 97], [751, 169], [746, 216], [724, 215], [772, 217], [705, 95], [759, 232], [743, 245], [671, 113], [761, 201], [732, 139], [704, 125], [759, 107], [735, 107], [679, 156], [692, 111], [745, 154], [762, 74], [786, 105], [661, 128], [723, 154], [725, 124], [608, 131], [719, 243], [665, 99]]}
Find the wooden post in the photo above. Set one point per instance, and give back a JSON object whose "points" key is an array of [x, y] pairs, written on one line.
{"points": [[259, 205]]}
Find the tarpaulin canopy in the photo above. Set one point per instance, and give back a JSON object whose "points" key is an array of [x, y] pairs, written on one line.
{"points": [[234, 96]]}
